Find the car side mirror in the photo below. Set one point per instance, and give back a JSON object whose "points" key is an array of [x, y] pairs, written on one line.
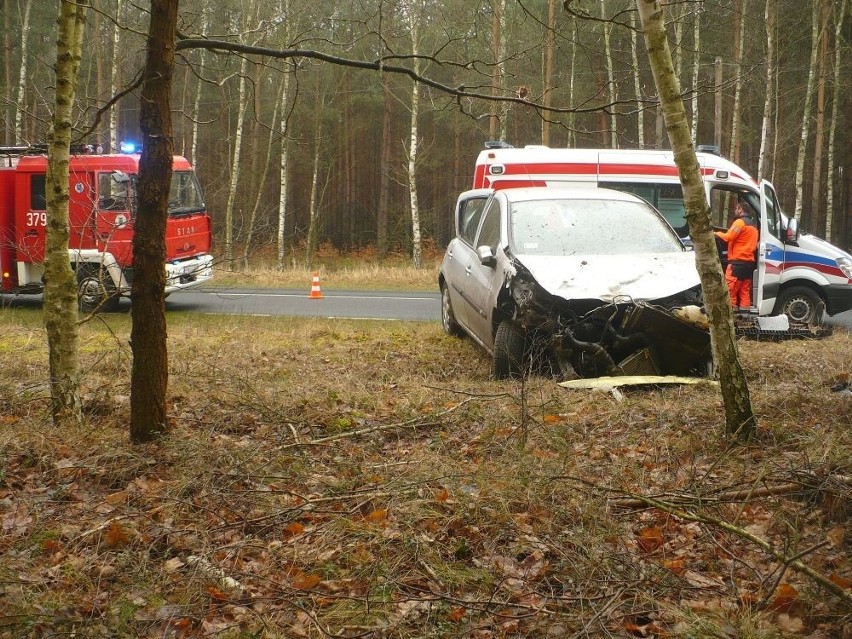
{"points": [[791, 232], [486, 256]]}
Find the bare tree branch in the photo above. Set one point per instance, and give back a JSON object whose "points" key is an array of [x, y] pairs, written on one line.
{"points": [[460, 91]]}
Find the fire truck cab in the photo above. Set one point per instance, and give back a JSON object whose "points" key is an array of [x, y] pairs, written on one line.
{"points": [[797, 274], [102, 208]]}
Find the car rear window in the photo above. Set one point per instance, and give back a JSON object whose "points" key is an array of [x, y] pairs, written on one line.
{"points": [[589, 227]]}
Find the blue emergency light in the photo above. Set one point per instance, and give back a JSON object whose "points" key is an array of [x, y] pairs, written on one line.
{"points": [[129, 147]]}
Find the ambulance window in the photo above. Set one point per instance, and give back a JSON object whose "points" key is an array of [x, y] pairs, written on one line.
{"points": [[724, 201], [38, 199], [772, 209], [666, 198], [670, 204]]}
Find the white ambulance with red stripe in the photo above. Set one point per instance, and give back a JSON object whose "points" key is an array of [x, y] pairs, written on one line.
{"points": [[797, 274]]}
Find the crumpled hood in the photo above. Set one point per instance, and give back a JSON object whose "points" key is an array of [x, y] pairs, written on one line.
{"points": [[605, 277]]}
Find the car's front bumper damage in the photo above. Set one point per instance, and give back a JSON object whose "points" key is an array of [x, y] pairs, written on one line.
{"points": [[594, 338]]}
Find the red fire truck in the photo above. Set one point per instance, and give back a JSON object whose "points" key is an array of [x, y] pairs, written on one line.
{"points": [[102, 207]]}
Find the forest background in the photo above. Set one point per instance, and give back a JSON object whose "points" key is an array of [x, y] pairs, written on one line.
{"points": [[296, 154], [340, 478]]}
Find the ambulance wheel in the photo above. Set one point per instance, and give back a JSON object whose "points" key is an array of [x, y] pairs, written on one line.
{"points": [[510, 346], [448, 318], [800, 304], [95, 290]]}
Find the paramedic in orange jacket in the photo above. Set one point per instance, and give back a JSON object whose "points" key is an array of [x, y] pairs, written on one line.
{"points": [[742, 244]]}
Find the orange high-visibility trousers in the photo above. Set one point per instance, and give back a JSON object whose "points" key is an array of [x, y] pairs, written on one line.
{"points": [[740, 290]]}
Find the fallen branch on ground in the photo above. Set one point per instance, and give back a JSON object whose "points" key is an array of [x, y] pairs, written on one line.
{"points": [[821, 580], [787, 488], [413, 424]]}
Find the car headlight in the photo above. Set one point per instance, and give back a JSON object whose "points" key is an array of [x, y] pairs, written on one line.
{"points": [[845, 265]]}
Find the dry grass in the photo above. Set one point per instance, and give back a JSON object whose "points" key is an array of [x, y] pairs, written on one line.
{"points": [[367, 479], [364, 270]]}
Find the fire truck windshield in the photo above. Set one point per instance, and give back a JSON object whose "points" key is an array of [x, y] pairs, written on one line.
{"points": [[184, 194]]}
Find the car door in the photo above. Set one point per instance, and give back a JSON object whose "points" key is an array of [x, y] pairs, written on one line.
{"points": [[770, 250], [461, 255], [484, 279]]}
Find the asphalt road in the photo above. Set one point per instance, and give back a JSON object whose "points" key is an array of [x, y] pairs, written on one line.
{"points": [[377, 305]]}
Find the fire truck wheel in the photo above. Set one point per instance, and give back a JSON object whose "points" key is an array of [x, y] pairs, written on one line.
{"points": [[95, 290], [800, 304]]}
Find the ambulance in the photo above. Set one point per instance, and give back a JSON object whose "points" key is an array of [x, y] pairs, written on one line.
{"points": [[797, 274]]}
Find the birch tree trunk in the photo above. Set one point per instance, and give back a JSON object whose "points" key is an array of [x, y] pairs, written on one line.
{"points": [[149, 376], [264, 173], [114, 77], [806, 115], [611, 91], [736, 112], [497, 122], [696, 69], [766, 129], [637, 82], [9, 135], [776, 114], [313, 215], [572, 117], [60, 291], [416, 240], [739, 418], [818, 218], [284, 132], [312, 239], [549, 54], [677, 11], [102, 130], [234, 178], [835, 102], [22, 76], [495, 71], [196, 105]]}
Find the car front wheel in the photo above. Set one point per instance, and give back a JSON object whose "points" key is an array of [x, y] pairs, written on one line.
{"points": [[800, 304], [509, 351]]}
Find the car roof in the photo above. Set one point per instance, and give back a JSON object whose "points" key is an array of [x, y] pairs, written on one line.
{"points": [[524, 194]]}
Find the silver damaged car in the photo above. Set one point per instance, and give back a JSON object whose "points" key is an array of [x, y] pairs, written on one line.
{"points": [[572, 282]]}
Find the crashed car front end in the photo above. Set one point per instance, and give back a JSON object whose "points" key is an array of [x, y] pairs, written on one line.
{"points": [[646, 321]]}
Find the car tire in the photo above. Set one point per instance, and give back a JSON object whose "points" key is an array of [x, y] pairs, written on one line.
{"points": [[800, 304], [95, 290], [448, 318], [510, 345]]}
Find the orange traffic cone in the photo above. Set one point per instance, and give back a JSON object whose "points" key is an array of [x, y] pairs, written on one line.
{"points": [[316, 293]]}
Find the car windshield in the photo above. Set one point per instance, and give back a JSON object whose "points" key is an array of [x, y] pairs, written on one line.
{"points": [[184, 194], [589, 227]]}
